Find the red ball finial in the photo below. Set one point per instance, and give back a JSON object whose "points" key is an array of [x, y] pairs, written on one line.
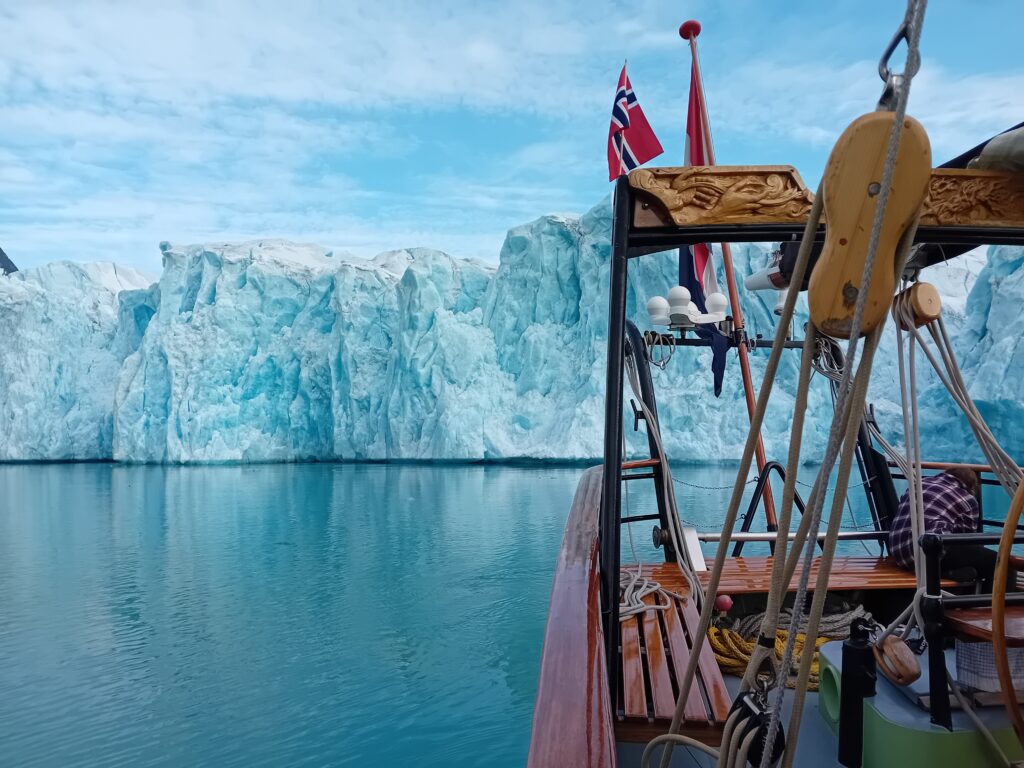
{"points": [[689, 29]]}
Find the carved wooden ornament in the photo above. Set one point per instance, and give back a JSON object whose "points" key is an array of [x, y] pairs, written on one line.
{"points": [[958, 197], [727, 194], [775, 194]]}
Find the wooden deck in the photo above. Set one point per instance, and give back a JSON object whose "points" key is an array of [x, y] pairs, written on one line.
{"points": [[656, 645], [656, 648]]}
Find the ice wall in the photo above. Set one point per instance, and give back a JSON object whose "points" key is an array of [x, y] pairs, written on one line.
{"points": [[271, 351], [62, 343]]}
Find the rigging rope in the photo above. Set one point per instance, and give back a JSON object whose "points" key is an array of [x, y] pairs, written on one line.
{"points": [[850, 402], [638, 587]]}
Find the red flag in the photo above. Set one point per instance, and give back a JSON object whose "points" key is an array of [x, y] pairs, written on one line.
{"points": [[700, 267], [696, 269], [631, 140]]}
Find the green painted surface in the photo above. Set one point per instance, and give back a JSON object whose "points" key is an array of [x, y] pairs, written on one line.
{"points": [[914, 741], [887, 744]]}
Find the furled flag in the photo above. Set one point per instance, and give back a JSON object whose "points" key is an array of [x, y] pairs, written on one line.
{"points": [[631, 140], [696, 268]]}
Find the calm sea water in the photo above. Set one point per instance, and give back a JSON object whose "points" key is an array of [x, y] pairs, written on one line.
{"points": [[310, 614]]}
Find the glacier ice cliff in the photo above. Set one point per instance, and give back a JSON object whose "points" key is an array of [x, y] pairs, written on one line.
{"points": [[63, 342], [271, 351]]}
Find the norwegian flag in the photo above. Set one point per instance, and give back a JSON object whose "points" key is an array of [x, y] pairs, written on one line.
{"points": [[631, 140], [696, 269]]}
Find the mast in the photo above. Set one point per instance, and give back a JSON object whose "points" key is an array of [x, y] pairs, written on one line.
{"points": [[689, 31]]}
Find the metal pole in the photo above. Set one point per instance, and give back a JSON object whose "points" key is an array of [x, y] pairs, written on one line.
{"points": [[932, 613], [612, 482], [689, 32]]}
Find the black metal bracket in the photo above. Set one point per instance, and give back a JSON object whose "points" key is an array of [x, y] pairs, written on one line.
{"points": [[637, 415], [748, 517]]}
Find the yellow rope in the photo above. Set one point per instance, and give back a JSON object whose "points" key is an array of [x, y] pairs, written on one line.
{"points": [[732, 652]]}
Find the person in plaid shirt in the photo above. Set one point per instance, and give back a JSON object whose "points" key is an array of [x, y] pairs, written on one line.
{"points": [[950, 506]]}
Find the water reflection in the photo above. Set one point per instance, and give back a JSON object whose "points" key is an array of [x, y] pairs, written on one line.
{"points": [[284, 614], [273, 615]]}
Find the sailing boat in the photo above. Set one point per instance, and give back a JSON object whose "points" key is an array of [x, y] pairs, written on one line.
{"points": [[635, 671]]}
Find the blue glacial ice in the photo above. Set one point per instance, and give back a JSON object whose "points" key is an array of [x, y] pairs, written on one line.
{"points": [[64, 338], [273, 351]]}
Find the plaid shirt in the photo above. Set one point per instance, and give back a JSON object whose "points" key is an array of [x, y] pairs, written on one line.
{"points": [[948, 508]]}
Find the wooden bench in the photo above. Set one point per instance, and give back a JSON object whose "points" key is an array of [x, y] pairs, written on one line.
{"points": [[752, 575], [656, 647]]}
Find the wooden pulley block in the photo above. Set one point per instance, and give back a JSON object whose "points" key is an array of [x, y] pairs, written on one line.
{"points": [[851, 187], [896, 661], [923, 301]]}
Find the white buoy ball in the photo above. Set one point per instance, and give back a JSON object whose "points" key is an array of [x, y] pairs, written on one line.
{"points": [[678, 298], [657, 308], [716, 303]]}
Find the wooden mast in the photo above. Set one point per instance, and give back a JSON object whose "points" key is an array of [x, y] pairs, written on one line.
{"points": [[689, 31]]}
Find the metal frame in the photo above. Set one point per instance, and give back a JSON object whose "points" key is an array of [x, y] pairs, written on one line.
{"points": [[748, 517], [933, 612], [630, 242]]}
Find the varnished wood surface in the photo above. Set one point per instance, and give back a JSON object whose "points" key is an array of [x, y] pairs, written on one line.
{"points": [[634, 693], [944, 465], [640, 463], [656, 647], [662, 695], [752, 575], [976, 624], [572, 717]]}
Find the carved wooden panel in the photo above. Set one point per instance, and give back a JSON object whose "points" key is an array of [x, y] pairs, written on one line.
{"points": [[959, 197], [725, 194], [775, 194]]}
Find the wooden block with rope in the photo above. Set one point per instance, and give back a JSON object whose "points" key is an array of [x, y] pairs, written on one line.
{"points": [[852, 190]]}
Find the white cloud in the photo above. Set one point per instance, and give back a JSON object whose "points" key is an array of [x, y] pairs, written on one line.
{"points": [[345, 54], [129, 122]]}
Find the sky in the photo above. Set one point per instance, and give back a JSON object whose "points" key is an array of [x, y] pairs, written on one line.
{"points": [[365, 127]]}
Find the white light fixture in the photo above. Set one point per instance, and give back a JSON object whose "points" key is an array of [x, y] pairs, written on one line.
{"points": [[657, 308], [717, 304], [678, 300]]}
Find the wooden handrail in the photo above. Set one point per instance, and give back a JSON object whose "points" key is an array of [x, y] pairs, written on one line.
{"points": [[640, 463], [572, 716], [951, 465]]}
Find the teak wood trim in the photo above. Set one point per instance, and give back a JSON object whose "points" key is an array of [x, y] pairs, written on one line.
{"points": [[640, 463], [699, 196], [572, 716], [975, 624], [952, 465]]}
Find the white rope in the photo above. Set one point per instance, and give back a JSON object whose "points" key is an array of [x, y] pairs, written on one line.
{"points": [[911, 461], [639, 587], [982, 728], [732, 512], [839, 431]]}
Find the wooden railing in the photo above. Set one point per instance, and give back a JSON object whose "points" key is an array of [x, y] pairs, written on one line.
{"points": [[572, 717]]}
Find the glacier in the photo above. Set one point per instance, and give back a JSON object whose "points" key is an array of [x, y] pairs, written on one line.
{"points": [[62, 349], [276, 351]]}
